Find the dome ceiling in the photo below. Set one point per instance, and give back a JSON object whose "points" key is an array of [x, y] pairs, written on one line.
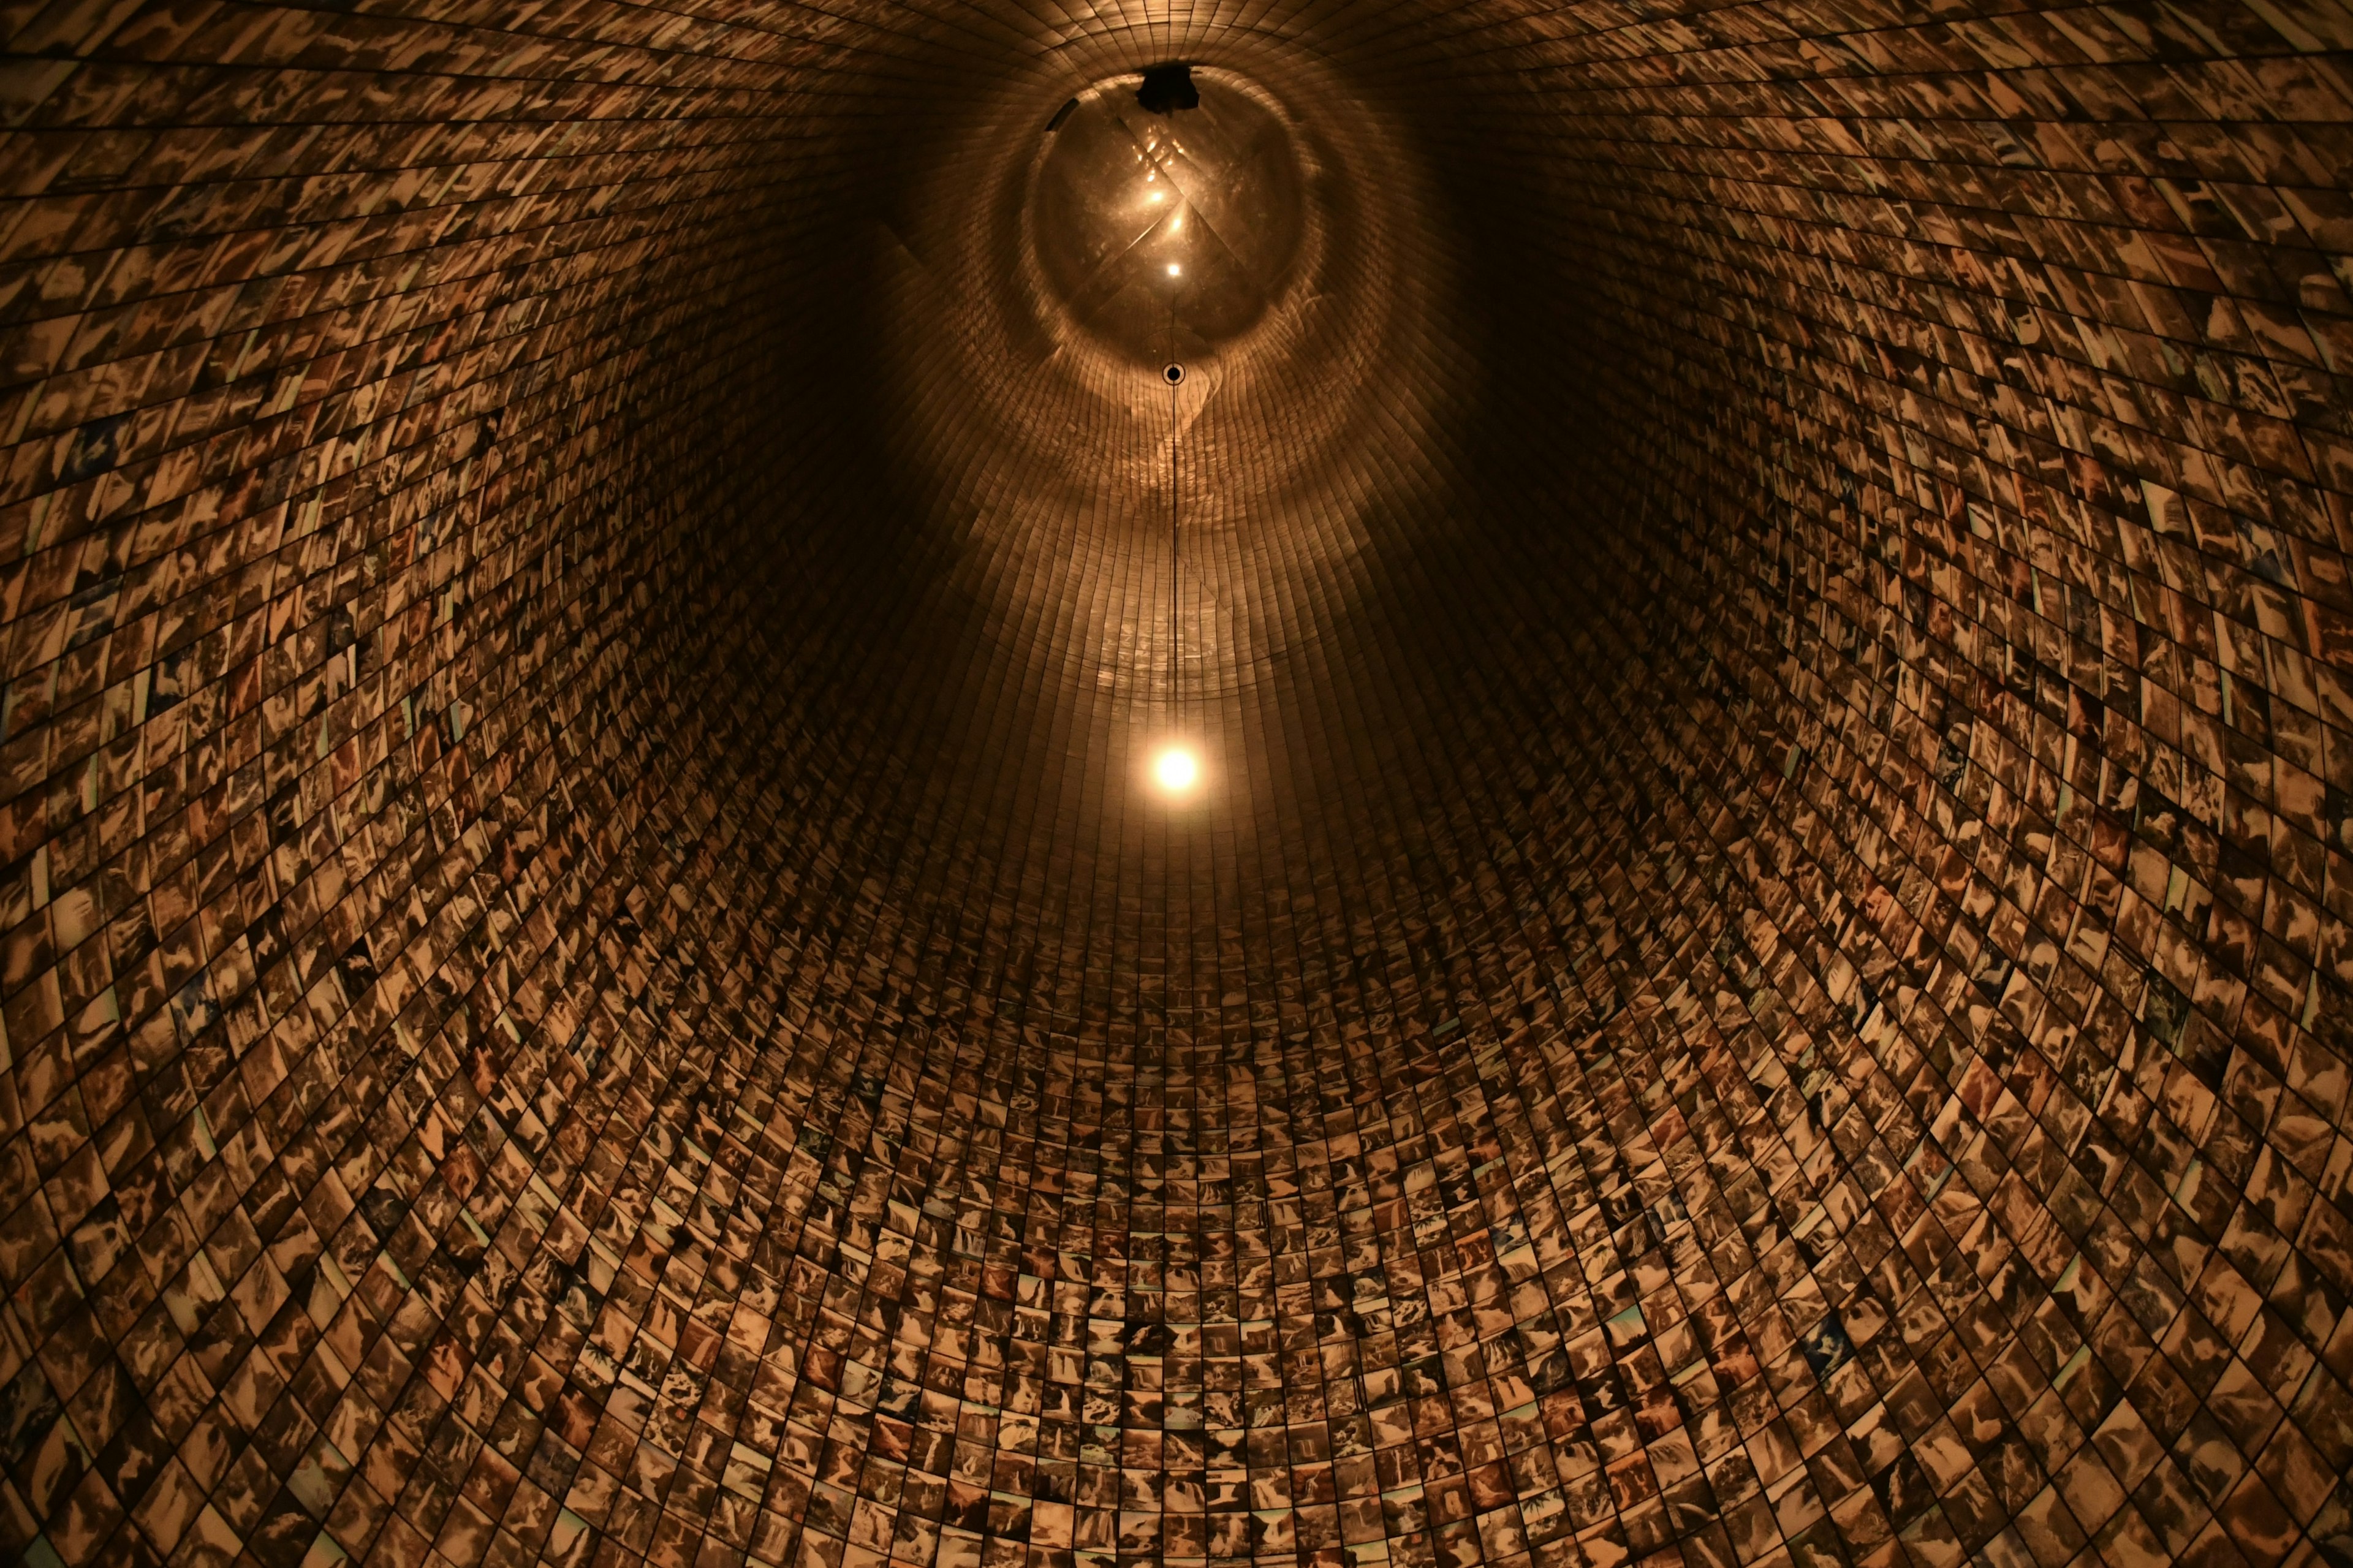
{"points": [[590, 970], [1166, 234]]}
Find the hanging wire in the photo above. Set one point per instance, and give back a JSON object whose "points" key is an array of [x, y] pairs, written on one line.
{"points": [[1176, 583]]}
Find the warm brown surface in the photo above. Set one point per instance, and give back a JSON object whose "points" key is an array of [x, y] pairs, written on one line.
{"points": [[1762, 971]]}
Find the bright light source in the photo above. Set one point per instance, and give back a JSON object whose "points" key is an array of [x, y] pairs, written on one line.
{"points": [[1175, 270], [1177, 223], [1176, 770], [1152, 196]]}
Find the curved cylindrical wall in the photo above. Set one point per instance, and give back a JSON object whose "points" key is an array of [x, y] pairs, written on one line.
{"points": [[590, 972]]}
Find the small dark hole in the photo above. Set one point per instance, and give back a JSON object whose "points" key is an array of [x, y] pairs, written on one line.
{"points": [[1175, 373], [1060, 115], [1167, 89]]}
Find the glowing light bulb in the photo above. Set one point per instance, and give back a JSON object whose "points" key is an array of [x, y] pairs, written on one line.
{"points": [[1176, 770], [1175, 270]]}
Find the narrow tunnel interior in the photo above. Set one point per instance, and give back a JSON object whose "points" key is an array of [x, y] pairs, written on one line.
{"points": [[592, 968]]}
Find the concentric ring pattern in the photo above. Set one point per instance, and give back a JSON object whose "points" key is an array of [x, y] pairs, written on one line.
{"points": [[1759, 972]]}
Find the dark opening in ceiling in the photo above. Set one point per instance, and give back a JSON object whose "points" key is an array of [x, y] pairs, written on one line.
{"points": [[1167, 89]]}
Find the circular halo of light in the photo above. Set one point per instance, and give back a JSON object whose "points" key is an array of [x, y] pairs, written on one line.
{"points": [[1175, 768]]}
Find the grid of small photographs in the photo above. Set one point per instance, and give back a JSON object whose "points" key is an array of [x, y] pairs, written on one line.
{"points": [[1760, 977]]}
